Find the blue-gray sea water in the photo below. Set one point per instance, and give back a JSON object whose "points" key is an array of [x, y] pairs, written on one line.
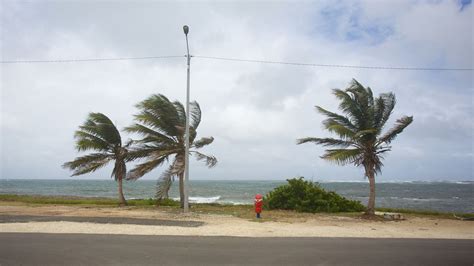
{"points": [[436, 196]]}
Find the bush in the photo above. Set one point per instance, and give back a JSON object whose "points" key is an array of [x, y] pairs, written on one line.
{"points": [[304, 196]]}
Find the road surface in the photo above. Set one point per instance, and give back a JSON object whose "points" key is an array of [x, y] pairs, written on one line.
{"points": [[97, 220], [83, 249]]}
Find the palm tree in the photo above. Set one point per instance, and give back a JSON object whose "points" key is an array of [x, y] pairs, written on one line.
{"points": [[161, 123], [360, 141], [99, 134]]}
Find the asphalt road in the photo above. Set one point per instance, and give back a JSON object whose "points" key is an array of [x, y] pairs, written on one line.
{"points": [[82, 249], [99, 220]]}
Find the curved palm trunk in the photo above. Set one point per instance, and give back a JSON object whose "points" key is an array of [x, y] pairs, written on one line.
{"points": [[123, 202], [371, 204]]}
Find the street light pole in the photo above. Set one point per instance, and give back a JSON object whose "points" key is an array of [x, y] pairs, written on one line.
{"points": [[186, 134]]}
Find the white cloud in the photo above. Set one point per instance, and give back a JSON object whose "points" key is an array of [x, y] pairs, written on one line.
{"points": [[255, 111]]}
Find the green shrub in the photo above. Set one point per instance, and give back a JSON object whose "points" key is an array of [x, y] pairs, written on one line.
{"points": [[304, 196]]}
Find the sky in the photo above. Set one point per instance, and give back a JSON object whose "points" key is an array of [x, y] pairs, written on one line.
{"points": [[254, 111]]}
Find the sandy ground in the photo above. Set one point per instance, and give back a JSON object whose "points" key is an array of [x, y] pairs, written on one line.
{"points": [[224, 225]]}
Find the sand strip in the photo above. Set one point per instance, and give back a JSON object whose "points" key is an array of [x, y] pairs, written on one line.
{"points": [[225, 225]]}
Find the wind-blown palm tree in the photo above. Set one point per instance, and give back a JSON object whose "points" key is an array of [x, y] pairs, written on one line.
{"points": [[162, 125], [99, 134], [360, 141]]}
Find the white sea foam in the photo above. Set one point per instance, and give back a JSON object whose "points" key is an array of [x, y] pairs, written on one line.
{"points": [[412, 199], [420, 199], [202, 199], [465, 182], [238, 202]]}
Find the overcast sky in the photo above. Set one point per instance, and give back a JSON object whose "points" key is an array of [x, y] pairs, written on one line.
{"points": [[254, 111]]}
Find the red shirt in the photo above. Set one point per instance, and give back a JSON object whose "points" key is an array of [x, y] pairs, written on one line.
{"points": [[258, 205]]}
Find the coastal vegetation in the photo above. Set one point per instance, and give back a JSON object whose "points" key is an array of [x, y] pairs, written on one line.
{"points": [[305, 196], [161, 123], [241, 211], [360, 140], [100, 135]]}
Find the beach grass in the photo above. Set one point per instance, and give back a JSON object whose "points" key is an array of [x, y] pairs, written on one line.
{"points": [[71, 200], [241, 211], [427, 212]]}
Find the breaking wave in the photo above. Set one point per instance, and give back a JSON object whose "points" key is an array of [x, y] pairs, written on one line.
{"points": [[202, 199]]}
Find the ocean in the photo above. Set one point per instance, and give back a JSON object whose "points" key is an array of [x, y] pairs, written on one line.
{"points": [[435, 196]]}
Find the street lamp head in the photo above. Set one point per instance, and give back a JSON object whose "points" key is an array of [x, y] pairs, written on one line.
{"points": [[186, 29]]}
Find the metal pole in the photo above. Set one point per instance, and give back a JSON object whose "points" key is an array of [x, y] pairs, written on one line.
{"points": [[186, 134]]}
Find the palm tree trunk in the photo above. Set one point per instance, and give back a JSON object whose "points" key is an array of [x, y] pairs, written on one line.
{"points": [[371, 204], [123, 202], [181, 189]]}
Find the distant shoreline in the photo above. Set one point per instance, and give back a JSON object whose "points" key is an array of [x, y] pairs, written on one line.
{"points": [[254, 180]]}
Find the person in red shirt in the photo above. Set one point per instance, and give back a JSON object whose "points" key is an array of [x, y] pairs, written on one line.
{"points": [[258, 204]]}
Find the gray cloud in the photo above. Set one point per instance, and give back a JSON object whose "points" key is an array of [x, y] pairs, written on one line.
{"points": [[254, 111]]}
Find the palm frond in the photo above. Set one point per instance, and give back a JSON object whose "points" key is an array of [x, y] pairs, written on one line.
{"points": [[195, 113], [370, 96], [364, 100], [344, 156], [400, 125], [181, 129], [138, 153], [350, 107], [157, 111], [360, 94], [87, 141], [335, 118], [101, 126], [178, 165], [192, 134], [384, 149], [150, 134], [162, 126], [158, 122], [202, 142], [97, 133], [88, 163], [384, 107], [326, 142], [335, 127], [379, 110], [143, 168], [211, 161], [129, 143], [163, 184], [151, 151], [181, 111], [362, 133]]}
